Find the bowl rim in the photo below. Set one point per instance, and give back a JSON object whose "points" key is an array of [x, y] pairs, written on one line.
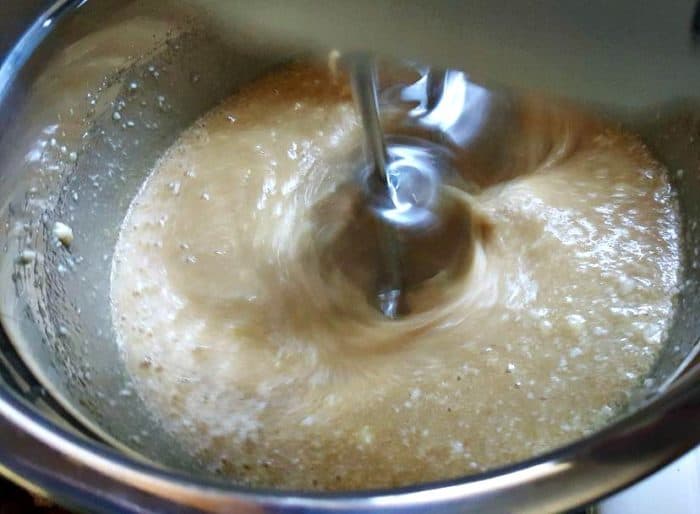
{"points": [[579, 473]]}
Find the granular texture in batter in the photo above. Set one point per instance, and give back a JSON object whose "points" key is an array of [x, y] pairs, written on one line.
{"points": [[272, 367]]}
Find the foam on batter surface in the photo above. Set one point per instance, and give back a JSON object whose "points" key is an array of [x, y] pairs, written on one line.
{"points": [[275, 371]]}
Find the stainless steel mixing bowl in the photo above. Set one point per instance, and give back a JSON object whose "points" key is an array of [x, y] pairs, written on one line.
{"points": [[90, 95]]}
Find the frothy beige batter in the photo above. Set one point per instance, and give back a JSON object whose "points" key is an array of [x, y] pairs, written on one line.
{"points": [[272, 367]]}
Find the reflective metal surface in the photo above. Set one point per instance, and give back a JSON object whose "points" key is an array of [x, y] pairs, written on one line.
{"points": [[83, 100]]}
